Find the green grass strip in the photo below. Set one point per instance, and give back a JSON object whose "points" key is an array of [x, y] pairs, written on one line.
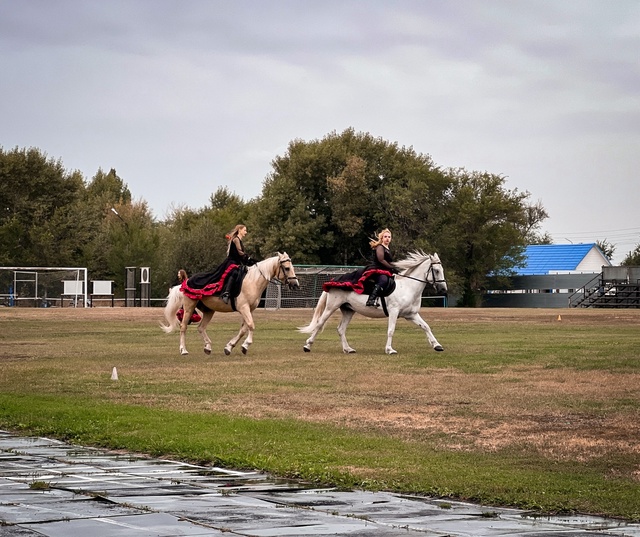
{"points": [[326, 455]]}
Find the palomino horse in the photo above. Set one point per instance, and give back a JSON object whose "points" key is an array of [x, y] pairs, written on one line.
{"points": [[255, 282], [417, 270]]}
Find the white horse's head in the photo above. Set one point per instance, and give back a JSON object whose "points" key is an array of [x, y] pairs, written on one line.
{"points": [[427, 266], [435, 275]]}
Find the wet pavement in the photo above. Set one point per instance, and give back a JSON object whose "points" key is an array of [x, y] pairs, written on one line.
{"points": [[49, 488]]}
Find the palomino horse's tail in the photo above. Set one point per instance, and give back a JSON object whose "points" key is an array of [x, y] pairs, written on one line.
{"points": [[322, 304], [174, 301]]}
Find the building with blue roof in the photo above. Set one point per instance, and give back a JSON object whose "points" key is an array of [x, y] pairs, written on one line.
{"points": [[543, 259], [551, 274]]}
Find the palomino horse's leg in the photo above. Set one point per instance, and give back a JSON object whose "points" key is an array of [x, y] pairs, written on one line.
{"points": [[202, 330], [347, 315], [422, 324], [328, 312], [247, 326], [391, 328], [188, 309]]}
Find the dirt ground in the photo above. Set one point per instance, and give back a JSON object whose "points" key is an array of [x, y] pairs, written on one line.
{"points": [[575, 316], [465, 410]]}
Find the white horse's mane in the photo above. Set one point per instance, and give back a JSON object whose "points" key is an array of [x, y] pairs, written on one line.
{"points": [[414, 259]]}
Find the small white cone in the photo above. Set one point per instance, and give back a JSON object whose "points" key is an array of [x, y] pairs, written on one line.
{"points": [[114, 374], [559, 319]]}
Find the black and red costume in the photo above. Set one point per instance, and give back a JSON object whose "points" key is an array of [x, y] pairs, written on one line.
{"points": [[377, 277], [223, 278]]}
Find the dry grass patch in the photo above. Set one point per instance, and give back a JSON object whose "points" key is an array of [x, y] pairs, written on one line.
{"points": [[559, 411]]}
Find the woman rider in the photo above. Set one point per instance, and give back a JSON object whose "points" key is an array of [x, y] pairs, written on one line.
{"points": [[381, 266], [223, 278], [236, 255]]}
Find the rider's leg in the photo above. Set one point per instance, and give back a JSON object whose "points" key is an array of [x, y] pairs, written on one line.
{"points": [[228, 286], [380, 281]]}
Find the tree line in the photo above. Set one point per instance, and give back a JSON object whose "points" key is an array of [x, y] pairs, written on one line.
{"points": [[321, 203]]}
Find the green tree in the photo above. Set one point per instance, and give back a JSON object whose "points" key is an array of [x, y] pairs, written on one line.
{"points": [[326, 198], [534, 215], [607, 248], [485, 230], [106, 190], [632, 259], [35, 195], [131, 239], [195, 240]]}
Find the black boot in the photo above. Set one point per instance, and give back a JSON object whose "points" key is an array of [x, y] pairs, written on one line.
{"points": [[228, 287], [371, 301]]}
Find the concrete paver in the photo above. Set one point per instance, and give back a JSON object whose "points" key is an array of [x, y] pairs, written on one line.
{"points": [[53, 489]]}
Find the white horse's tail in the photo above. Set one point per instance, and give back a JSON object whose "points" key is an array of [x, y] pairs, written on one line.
{"points": [[174, 301], [322, 304]]}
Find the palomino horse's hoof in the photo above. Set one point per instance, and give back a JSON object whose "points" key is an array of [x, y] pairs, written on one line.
{"points": [[349, 351], [392, 351], [184, 352], [306, 348], [244, 350], [227, 351], [207, 350], [438, 348]]}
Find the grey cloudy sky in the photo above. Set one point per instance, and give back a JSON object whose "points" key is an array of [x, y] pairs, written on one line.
{"points": [[182, 97]]}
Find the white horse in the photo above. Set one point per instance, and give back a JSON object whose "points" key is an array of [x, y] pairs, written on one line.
{"points": [[417, 270], [255, 282]]}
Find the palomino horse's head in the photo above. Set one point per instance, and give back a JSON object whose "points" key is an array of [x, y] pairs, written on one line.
{"points": [[435, 275], [286, 273]]}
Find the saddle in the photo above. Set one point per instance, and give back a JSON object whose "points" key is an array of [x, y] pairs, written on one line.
{"points": [[212, 284], [358, 281]]}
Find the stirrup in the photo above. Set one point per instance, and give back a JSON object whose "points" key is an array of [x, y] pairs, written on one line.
{"points": [[225, 297], [372, 302]]}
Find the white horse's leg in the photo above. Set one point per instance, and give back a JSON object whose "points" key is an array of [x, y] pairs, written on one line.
{"points": [[427, 330], [391, 328], [328, 312], [347, 315], [202, 329]]}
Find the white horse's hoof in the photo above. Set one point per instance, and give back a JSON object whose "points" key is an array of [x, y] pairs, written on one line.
{"points": [[306, 348], [244, 349], [227, 351], [207, 350], [391, 351], [438, 348], [184, 352], [349, 351]]}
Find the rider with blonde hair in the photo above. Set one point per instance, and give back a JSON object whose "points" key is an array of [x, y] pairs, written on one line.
{"points": [[381, 267]]}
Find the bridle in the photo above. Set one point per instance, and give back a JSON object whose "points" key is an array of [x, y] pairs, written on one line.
{"points": [[287, 279], [435, 281]]}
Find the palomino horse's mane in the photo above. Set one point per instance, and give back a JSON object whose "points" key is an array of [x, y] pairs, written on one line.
{"points": [[269, 263], [414, 259]]}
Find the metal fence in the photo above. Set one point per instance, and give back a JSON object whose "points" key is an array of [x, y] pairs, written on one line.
{"points": [[311, 278]]}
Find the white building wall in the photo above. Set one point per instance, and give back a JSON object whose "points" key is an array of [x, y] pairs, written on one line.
{"points": [[593, 261]]}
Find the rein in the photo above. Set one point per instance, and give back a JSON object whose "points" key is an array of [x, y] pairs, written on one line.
{"points": [[274, 279], [434, 282]]}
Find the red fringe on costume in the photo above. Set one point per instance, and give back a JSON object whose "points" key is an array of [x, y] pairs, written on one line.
{"points": [[356, 286], [207, 290]]}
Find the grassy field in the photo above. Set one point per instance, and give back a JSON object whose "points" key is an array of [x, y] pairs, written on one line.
{"points": [[524, 408]]}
